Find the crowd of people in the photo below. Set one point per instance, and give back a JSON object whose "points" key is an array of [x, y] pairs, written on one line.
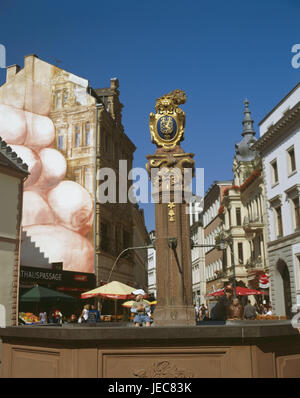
{"points": [[55, 316], [141, 310], [229, 307]]}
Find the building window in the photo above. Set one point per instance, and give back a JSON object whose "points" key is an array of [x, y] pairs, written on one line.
{"points": [[58, 100], [77, 136], [279, 221], [60, 142], [240, 253], [65, 97], [297, 212], [291, 160], [229, 217], [126, 240], [104, 237], [87, 134], [224, 259], [274, 171], [238, 216]]}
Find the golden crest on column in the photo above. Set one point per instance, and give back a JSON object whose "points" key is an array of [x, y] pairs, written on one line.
{"points": [[168, 123]]}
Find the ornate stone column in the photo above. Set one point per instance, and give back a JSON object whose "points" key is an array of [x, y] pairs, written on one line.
{"points": [[170, 171]]}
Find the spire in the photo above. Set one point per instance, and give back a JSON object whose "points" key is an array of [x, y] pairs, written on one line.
{"points": [[243, 149], [248, 121]]}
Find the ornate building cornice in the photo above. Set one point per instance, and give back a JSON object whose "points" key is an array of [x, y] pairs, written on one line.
{"points": [[276, 130]]}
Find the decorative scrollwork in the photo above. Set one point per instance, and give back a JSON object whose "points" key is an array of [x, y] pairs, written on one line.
{"points": [[163, 369]]}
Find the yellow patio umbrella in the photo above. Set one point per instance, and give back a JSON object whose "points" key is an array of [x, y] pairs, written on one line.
{"points": [[114, 290], [129, 304]]}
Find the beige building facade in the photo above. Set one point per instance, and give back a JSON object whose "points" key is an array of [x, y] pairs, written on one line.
{"points": [[215, 263], [244, 214], [70, 132], [13, 172]]}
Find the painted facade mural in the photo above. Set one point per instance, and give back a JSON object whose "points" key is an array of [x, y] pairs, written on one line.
{"points": [[47, 117]]}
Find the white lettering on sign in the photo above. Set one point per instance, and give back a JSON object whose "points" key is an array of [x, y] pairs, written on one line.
{"points": [[41, 275]]}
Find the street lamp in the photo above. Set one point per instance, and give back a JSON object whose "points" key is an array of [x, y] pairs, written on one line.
{"points": [[125, 250], [222, 240]]}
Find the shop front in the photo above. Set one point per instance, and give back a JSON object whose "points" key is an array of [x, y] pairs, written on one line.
{"points": [[259, 280], [68, 282]]}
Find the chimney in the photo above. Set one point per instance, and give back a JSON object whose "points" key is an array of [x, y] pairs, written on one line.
{"points": [[114, 83], [29, 61], [11, 71]]}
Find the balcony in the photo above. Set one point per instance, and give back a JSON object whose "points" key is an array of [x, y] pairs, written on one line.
{"points": [[254, 263], [253, 223]]}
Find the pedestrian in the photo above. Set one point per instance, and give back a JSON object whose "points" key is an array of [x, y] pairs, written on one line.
{"points": [[235, 310], [43, 316], [73, 319], [203, 312], [264, 309], [84, 314], [57, 316], [220, 310], [197, 313], [249, 311], [244, 301], [141, 309], [269, 310], [94, 315]]}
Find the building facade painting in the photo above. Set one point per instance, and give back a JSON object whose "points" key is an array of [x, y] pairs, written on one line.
{"points": [[65, 130]]}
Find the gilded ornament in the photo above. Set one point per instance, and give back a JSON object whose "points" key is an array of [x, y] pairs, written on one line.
{"points": [[167, 124]]}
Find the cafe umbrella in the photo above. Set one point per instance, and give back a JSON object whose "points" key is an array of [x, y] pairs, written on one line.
{"points": [[240, 291], [42, 295], [39, 293], [129, 304], [113, 290]]}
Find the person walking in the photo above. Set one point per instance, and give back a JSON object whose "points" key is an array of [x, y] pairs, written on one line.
{"points": [[43, 316], [249, 311], [93, 315], [269, 310], [221, 309], [235, 310], [203, 312], [57, 316], [84, 314]]}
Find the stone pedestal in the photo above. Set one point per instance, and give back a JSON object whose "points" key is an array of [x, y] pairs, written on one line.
{"points": [[245, 349], [172, 239]]}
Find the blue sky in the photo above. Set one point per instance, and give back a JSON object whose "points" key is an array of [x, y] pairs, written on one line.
{"points": [[218, 52]]}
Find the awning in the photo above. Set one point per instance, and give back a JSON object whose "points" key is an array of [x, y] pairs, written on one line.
{"points": [[240, 291]]}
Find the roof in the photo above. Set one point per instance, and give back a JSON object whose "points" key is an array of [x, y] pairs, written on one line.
{"points": [[218, 183], [279, 103], [9, 158]]}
